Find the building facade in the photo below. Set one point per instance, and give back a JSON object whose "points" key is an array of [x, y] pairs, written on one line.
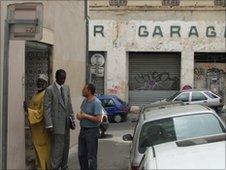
{"points": [[63, 45], [153, 48]]}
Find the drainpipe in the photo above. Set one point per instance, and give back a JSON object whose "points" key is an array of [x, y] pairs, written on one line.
{"points": [[4, 109], [87, 39]]}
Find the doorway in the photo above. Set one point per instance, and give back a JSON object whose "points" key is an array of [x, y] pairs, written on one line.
{"points": [[38, 59], [210, 72], [153, 76]]}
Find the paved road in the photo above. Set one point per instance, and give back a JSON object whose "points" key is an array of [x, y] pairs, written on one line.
{"points": [[113, 152]]}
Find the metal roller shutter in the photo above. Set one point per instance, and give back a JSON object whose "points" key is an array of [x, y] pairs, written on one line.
{"points": [[153, 76]]}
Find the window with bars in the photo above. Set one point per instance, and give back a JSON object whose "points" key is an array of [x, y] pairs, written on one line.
{"points": [[117, 2], [220, 2], [170, 2]]}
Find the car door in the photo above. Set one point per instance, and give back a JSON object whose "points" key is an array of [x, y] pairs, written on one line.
{"points": [[184, 97], [198, 98]]}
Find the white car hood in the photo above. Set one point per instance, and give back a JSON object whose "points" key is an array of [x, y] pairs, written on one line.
{"points": [[202, 156]]}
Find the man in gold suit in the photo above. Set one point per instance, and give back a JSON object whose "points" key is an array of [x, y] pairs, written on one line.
{"points": [[40, 137]]}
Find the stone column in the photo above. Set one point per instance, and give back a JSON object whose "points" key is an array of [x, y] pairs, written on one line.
{"points": [[116, 73], [16, 135], [187, 67]]}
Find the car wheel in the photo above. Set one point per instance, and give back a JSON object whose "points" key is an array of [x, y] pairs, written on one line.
{"points": [[111, 119], [124, 117], [117, 118]]}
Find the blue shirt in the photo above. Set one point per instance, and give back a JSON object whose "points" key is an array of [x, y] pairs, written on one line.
{"points": [[92, 108]]}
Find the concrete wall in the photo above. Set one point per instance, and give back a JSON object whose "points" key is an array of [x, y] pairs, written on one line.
{"points": [[121, 35], [64, 28]]}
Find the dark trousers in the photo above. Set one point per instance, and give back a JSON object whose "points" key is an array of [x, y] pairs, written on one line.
{"points": [[60, 150], [87, 148]]}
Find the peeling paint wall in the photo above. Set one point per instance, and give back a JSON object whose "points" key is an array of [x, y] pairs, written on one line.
{"points": [[212, 75], [121, 35]]}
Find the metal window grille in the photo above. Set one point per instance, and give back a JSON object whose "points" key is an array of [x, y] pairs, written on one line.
{"points": [[117, 2], [170, 2], [220, 2]]}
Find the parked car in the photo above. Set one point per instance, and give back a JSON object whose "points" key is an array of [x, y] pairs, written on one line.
{"points": [[162, 129], [117, 109], [203, 97]]}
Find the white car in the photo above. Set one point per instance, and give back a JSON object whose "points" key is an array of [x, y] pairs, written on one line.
{"points": [[202, 97], [183, 137], [136, 152]]}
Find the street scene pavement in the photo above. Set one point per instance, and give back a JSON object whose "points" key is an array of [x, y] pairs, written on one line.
{"points": [[113, 152], [84, 63]]}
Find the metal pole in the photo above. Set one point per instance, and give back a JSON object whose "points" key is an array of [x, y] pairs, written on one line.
{"points": [[5, 96]]}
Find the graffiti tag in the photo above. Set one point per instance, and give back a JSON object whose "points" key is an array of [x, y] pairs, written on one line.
{"points": [[156, 81]]}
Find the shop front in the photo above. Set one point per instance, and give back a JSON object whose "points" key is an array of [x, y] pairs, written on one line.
{"points": [[153, 76], [210, 72], [148, 60]]}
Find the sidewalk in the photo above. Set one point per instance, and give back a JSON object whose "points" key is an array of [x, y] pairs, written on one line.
{"points": [[113, 152]]}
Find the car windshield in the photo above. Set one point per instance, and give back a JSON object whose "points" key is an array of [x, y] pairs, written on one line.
{"points": [[173, 96], [178, 128]]}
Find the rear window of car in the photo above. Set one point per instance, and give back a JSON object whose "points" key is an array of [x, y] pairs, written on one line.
{"points": [[107, 103], [178, 128], [211, 95]]}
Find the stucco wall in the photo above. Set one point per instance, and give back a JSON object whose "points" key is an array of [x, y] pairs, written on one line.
{"points": [[64, 28], [69, 46], [121, 35]]}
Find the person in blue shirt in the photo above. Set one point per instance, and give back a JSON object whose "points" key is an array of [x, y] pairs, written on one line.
{"points": [[90, 118]]}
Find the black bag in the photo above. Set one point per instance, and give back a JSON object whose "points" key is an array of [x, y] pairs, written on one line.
{"points": [[72, 122]]}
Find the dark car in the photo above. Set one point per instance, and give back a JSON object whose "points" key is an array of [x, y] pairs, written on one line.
{"points": [[117, 109]]}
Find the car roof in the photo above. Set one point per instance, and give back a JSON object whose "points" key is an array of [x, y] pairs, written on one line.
{"points": [[198, 90], [175, 111], [195, 90], [163, 104]]}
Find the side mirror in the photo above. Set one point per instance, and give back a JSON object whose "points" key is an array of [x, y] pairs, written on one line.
{"points": [[127, 137]]}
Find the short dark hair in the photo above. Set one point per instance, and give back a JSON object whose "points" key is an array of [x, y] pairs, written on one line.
{"points": [[58, 72], [91, 87]]}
